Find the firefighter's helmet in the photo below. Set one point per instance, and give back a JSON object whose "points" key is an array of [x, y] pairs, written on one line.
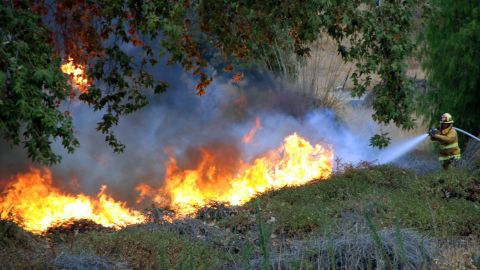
{"points": [[446, 118]]}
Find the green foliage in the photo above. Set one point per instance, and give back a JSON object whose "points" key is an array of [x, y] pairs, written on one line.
{"points": [[380, 140], [457, 184], [378, 38], [31, 87], [378, 241], [264, 233], [100, 34], [452, 54], [390, 196], [381, 39], [157, 248]]}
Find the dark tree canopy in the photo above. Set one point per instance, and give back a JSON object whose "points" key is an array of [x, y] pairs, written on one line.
{"points": [[453, 62], [377, 37]]}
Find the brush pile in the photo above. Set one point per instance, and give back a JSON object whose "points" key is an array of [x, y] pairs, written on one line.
{"points": [[77, 226]]}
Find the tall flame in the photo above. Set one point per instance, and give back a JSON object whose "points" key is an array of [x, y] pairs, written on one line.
{"points": [[294, 163], [32, 201], [77, 74]]}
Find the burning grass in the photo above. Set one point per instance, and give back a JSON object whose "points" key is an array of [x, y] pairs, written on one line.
{"points": [[378, 215], [36, 204], [222, 175]]}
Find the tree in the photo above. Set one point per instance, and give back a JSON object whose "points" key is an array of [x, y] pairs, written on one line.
{"points": [[32, 87], [452, 57], [94, 34]]}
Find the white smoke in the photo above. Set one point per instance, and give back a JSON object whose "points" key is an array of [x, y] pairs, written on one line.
{"points": [[177, 121]]}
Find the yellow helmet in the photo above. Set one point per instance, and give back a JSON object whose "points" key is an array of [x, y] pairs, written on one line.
{"points": [[446, 118]]}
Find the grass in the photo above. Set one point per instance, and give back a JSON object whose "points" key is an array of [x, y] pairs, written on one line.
{"points": [[363, 217], [439, 204], [151, 248], [20, 249]]}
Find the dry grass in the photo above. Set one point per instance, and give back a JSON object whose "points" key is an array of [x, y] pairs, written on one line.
{"points": [[457, 254], [352, 221], [74, 262], [20, 249], [324, 75], [402, 250], [471, 155], [325, 78]]}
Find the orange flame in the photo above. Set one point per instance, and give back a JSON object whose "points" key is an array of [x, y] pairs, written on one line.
{"points": [[249, 136], [294, 163], [32, 201], [237, 77], [77, 74]]}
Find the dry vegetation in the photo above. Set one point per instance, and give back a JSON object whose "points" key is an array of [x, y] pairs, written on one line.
{"points": [[363, 218], [324, 75], [325, 78]]}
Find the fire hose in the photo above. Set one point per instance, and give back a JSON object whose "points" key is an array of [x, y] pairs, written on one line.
{"points": [[434, 131], [466, 133]]}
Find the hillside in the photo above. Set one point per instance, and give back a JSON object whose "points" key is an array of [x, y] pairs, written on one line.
{"points": [[367, 217]]}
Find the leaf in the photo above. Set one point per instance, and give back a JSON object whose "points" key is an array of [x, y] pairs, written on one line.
{"points": [[161, 87], [380, 140]]}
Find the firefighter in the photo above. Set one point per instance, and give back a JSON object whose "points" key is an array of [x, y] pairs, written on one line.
{"points": [[448, 142]]}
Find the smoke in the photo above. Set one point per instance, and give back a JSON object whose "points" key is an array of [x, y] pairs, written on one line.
{"points": [[178, 123]]}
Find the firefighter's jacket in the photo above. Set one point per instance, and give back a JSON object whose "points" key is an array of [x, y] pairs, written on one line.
{"points": [[448, 140]]}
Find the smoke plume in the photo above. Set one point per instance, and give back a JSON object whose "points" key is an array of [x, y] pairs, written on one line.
{"points": [[178, 123]]}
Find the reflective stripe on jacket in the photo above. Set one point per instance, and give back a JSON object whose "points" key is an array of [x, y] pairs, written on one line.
{"points": [[448, 140]]}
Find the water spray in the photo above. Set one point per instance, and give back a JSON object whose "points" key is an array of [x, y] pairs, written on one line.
{"points": [[399, 149], [466, 133]]}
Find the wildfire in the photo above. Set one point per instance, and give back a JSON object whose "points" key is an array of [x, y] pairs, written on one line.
{"points": [[77, 74], [32, 201], [222, 178], [249, 136]]}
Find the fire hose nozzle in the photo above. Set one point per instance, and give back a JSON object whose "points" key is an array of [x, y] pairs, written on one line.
{"points": [[432, 131]]}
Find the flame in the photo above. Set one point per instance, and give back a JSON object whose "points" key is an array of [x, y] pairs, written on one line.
{"points": [[33, 202], [77, 74], [237, 77], [294, 163], [249, 136]]}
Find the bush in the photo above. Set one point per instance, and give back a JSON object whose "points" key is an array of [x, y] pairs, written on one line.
{"points": [[457, 183]]}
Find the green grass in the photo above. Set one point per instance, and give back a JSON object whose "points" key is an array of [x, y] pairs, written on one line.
{"points": [[438, 204], [155, 248], [359, 201]]}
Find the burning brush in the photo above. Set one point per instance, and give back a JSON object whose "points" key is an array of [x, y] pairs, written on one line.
{"points": [[32, 200]]}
